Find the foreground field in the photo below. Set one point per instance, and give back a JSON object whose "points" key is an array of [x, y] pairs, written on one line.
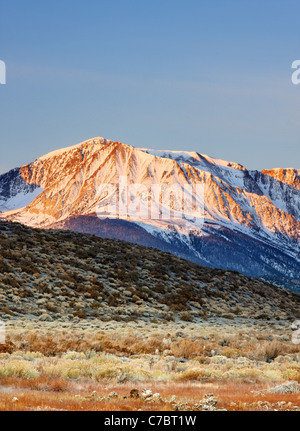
{"points": [[173, 397], [133, 366]]}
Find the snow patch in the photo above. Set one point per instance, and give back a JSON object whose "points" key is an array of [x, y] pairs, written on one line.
{"points": [[20, 200]]}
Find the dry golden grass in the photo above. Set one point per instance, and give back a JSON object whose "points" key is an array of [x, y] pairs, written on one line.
{"points": [[52, 340], [59, 367]]}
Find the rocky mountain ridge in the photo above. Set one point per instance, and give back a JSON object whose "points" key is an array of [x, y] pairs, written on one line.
{"points": [[250, 220]]}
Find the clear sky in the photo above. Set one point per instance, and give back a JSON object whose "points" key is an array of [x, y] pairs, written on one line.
{"points": [[212, 76]]}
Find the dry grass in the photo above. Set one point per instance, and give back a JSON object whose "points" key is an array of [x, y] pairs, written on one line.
{"points": [[86, 314], [51, 340], [58, 368], [229, 396]]}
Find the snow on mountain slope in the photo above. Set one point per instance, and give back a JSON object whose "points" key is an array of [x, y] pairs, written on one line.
{"points": [[193, 158], [15, 192], [282, 186], [261, 206]]}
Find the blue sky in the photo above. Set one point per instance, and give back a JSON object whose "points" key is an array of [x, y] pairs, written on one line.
{"points": [[212, 76]]}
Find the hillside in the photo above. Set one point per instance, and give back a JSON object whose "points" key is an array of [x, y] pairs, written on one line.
{"points": [[61, 275]]}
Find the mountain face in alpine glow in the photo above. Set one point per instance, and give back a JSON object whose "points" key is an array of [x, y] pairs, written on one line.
{"points": [[250, 220]]}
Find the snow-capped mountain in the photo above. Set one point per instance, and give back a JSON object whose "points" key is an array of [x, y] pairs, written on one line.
{"points": [[250, 220]]}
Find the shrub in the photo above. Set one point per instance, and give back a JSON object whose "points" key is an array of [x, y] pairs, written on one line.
{"points": [[19, 369], [268, 351], [186, 317]]}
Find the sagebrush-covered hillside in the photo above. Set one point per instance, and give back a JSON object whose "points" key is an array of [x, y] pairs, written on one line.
{"points": [[62, 275]]}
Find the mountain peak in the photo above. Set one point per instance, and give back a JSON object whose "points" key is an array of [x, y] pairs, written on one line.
{"points": [[260, 207], [90, 143]]}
